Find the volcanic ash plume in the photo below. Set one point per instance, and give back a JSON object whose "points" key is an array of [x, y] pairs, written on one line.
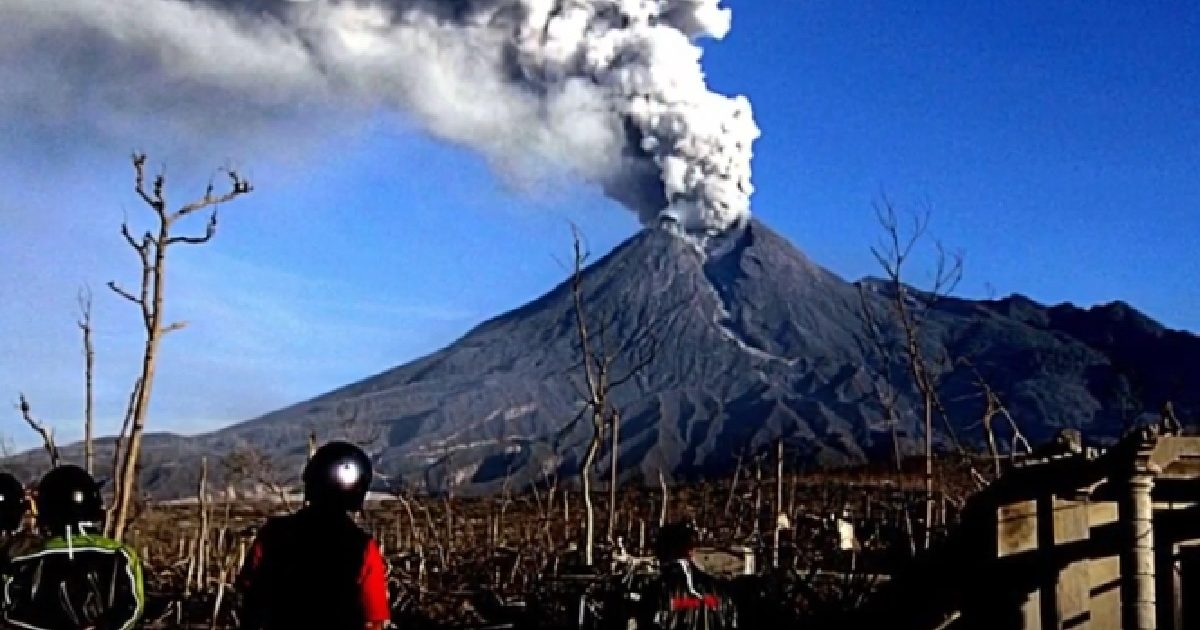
{"points": [[613, 90]]}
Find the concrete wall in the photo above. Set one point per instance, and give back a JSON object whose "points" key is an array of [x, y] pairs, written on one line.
{"points": [[1078, 550]]}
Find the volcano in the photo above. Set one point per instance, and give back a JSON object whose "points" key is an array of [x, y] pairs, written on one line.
{"points": [[750, 345]]}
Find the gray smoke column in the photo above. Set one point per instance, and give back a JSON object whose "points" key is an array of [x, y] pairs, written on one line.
{"points": [[611, 90]]}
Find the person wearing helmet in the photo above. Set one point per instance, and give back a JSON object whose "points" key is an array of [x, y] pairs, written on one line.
{"points": [[316, 568], [13, 504], [15, 538], [683, 597], [78, 578]]}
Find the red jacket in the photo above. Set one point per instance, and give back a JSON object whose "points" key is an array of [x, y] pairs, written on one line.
{"points": [[313, 569]]}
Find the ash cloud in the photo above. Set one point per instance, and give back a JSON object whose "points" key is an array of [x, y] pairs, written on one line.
{"points": [[613, 91]]}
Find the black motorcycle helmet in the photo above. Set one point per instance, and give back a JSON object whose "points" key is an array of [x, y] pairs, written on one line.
{"points": [[12, 503], [68, 497], [337, 477], [675, 541]]}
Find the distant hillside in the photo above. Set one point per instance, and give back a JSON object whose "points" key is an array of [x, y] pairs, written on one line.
{"points": [[754, 344]]}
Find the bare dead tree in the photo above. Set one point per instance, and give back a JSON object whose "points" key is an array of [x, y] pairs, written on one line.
{"points": [[993, 408], [907, 308], [247, 463], [89, 361], [666, 499], [202, 550], [737, 472], [614, 462], [757, 516], [120, 439], [598, 363], [46, 434], [884, 386], [151, 250], [779, 510]]}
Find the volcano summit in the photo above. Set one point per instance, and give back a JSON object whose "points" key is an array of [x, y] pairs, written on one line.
{"points": [[753, 343]]}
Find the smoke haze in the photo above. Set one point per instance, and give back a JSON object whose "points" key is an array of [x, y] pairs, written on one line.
{"points": [[612, 91]]}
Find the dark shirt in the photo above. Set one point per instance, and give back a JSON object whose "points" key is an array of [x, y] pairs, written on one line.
{"points": [[17, 544], [313, 569], [685, 598], [86, 581]]}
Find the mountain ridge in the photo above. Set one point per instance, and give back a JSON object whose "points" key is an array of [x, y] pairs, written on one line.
{"points": [[754, 343]]}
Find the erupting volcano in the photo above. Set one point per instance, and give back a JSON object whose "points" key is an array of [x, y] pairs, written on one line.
{"points": [[756, 342]]}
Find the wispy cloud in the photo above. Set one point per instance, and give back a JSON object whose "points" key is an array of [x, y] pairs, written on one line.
{"points": [[258, 338]]}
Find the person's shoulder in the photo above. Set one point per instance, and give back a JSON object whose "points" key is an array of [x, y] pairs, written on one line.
{"points": [[89, 542], [349, 526], [22, 544], [364, 538], [278, 523], [284, 519], [270, 530], [339, 526]]}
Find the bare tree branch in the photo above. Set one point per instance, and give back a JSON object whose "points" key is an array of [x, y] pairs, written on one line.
{"points": [[247, 463], [949, 271], [36, 425], [580, 316], [647, 353], [198, 240], [885, 392], [561, 435], [123, 293], [140, 248], [238, 187], [895, 251], [993, 407], [139, 168]]}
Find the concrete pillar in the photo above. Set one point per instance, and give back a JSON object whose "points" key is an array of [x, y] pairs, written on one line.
{"points": [[1137, 558]]}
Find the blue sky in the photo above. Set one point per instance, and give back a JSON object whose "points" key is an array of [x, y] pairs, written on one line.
{"points": [[1057, 144]]}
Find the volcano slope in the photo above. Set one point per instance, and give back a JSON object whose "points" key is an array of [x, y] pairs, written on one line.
{"points": [[750, 345]]}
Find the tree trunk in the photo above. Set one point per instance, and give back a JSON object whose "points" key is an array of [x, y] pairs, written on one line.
{"points": [[89, 357], [992, 450], [737, 471], [928, 467], [894, 421], [757, 495], [589, 525], [202, 539], [449, 519], [666, 498], [778, 500], [612, 475], [127, 477]]}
